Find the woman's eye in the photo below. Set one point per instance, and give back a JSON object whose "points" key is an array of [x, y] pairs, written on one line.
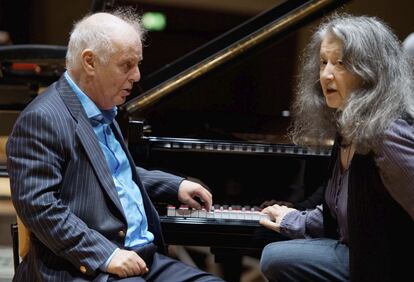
{"points": [[322, 64]]}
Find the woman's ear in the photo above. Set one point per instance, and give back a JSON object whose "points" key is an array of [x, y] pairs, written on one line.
{"points": [[88, 61]]}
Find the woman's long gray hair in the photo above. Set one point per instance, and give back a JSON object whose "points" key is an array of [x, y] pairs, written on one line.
{"points": [[371, 51]]}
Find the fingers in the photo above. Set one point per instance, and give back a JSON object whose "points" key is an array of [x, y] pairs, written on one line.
{"points": [[138, 266], [268, 203], [205, 196], [276, 212], [189, 190], [272, 211], [193, 204], [270, 224], [127, 263]]}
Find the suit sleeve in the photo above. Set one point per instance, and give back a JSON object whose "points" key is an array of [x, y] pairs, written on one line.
{"points": [[37, 155], [160, 186]]}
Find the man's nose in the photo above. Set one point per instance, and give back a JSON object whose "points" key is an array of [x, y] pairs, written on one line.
{"points": [[136, 74]]}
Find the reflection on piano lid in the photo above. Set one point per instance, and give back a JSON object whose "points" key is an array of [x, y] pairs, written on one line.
{"points": [[218, 146]]}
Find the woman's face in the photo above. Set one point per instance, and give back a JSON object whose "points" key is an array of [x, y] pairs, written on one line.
{"points": [[337, 82]]}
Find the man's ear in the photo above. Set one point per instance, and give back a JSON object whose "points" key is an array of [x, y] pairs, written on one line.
{"points": [[88, 61]]}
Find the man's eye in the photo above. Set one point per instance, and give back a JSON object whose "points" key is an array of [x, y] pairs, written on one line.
{"points": [[126, 67]]}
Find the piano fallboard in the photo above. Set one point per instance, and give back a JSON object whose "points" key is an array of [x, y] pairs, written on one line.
{"points": [[244, 235]]}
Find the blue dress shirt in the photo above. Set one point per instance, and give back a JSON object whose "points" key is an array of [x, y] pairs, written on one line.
{"points": [[128, 191]]}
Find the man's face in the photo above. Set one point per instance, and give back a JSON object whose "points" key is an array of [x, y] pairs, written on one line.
{"points": [[113, 81], [337, 82]]}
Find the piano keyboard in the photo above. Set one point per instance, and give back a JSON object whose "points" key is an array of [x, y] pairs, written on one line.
{"points": [[218, 212], [222, 228]]}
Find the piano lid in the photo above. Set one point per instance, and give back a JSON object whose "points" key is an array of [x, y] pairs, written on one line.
{"points": [[250, 36]]}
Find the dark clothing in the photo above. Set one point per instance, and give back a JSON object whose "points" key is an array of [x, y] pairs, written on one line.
{"points": [[381, 233]]}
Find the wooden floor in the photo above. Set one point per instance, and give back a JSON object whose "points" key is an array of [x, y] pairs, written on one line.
{"points": [[6, 264], [7, 217]]}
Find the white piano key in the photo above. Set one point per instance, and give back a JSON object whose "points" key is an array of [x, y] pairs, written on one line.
{"points": [[239, 214], [193, 213], [211, 214], [183, 211], [202, 213], [171, 211], [224, 214], [218, 213]]}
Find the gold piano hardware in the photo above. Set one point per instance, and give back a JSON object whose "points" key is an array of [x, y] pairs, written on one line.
{"points": [[156, 93]]}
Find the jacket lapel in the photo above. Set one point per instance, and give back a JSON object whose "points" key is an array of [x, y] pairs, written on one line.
{"points": [[89, 141]]}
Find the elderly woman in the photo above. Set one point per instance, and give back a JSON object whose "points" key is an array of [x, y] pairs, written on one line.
{"points": [[356, 87]]}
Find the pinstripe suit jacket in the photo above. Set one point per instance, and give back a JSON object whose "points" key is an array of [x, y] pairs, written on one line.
{"points": [[63, 191]]}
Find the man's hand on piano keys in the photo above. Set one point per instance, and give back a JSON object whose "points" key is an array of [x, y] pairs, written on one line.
{"points": [[276, 214], [189, 190]]}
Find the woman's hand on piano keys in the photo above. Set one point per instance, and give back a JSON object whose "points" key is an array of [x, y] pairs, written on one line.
{"points": [[189, 190], [276, 214]]}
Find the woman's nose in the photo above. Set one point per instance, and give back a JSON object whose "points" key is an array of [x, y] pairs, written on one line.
{"points": [[327, 73]]}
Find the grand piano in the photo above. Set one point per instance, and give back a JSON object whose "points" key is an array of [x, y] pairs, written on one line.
{"points": [[220, 114]]}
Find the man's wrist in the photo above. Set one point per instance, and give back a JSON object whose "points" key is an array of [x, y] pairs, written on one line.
{"points": [[104, 266]]}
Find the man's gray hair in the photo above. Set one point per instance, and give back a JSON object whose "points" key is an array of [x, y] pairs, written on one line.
{"points": [[372, 52], [408, 45], [97, 36]]}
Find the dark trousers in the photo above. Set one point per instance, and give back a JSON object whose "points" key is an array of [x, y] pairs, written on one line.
{"points": [[164, 268]]}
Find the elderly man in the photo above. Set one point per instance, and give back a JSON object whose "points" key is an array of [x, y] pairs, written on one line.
{"points": [[74, 184]]}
